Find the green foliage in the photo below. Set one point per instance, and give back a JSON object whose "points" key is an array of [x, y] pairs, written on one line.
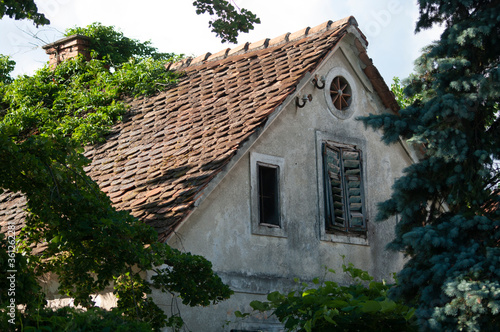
{"points": [[327, 306], [79, 99], [230, 21], [26, 290], [191, 277], [6, 67], [25, 9], [76, 320], [403, 99], [448, 203], [45, 122], [110, 44]]}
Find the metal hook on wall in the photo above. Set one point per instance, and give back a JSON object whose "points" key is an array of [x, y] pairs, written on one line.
{"points": [[304, 99], [315, 82]]}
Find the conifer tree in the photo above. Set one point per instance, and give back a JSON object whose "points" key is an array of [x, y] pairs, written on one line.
{"points": [[448, 203]]}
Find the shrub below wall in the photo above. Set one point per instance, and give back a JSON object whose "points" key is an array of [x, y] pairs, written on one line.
{"points": [[327, 306]]}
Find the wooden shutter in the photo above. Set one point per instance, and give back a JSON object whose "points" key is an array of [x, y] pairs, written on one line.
{"points": [[334, 190], [344, 199], [353, 180]]}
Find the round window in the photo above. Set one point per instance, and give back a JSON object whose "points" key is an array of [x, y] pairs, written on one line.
{"points": [[340, 92]]}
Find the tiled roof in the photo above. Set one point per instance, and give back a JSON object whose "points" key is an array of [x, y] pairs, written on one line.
{"points": [[12, 207], [167, 149]]}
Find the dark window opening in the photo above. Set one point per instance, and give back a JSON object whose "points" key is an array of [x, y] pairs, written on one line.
{"points": [[268, 195], [344, 200]]}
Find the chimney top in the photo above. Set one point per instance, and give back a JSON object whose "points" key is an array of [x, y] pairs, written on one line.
{"points": [[67, 48]]}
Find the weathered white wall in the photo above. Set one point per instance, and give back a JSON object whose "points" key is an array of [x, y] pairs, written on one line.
{"points": [[50, 285], [253, 265]]}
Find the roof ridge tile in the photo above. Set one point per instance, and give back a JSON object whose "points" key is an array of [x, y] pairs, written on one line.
{"points": [[320, 28], [261, 44], [299, 34], [239, 49], [179, 64], [280, 39], [200, 58], [264, 43], [219, 55]]}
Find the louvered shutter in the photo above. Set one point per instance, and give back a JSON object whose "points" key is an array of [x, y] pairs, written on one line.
{"points": [[336, 214], [343, 188], [353, 188]]}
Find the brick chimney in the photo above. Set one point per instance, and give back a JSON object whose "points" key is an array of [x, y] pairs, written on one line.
{"points": [[67, 48]]}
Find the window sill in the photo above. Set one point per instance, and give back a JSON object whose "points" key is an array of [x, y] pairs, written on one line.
{"points": [[269, 230], [269, 225], [356, 239]]}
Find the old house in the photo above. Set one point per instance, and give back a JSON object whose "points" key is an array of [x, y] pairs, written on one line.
{"points": [[256, 161]]}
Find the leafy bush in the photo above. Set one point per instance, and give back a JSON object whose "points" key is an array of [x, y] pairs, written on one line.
{"points": [[78, 320], [327, 306]]}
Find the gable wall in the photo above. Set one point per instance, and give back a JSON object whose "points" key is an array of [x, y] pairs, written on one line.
{"points": [[253, 265]]}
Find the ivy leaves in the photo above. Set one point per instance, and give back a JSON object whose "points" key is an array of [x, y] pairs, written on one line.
{"points": [[79, 99]]}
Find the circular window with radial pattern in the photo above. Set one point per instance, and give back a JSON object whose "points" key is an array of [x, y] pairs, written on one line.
{"points": [[340, 93]]}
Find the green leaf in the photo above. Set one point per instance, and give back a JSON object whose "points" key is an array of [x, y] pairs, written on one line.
{"points": [[241, 315], [259, 306], [275, 297], [370, 306]]}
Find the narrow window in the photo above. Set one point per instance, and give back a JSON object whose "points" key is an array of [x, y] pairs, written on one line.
{"points": [[343, 188], [267, 199], [268, 195]]}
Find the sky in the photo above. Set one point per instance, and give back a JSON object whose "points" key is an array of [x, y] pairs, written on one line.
{"points": [[173, 26]]}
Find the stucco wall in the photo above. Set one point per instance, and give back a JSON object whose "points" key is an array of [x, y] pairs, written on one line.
{"points": [[253, 265]]}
